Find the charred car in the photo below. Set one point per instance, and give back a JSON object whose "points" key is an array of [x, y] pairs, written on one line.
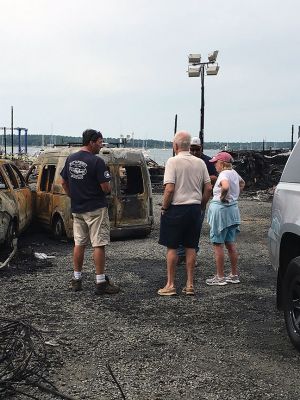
{"points": [[129, 203], [15, 203]]}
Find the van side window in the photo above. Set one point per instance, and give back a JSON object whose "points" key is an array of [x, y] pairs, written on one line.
{"points": [[11, 176], [19, 176], [3, 184], [131, 179], [47, 179]]}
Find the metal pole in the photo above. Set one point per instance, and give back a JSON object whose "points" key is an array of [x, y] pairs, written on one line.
{"points": [[175, 130], [201, 133], [298, 131], [26, 130], [4, 133], [292, 140], [19, 140], [12, 131]]}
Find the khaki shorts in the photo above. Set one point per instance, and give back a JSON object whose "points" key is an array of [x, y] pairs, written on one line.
{"points": [[92, 227]]}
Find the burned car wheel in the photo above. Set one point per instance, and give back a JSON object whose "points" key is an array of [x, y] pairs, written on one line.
{"points": [[291, 301], [58, 228], [10, 235]]}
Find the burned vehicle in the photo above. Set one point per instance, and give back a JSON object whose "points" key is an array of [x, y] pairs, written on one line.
{"points": [[15, 203], [129, 203]]}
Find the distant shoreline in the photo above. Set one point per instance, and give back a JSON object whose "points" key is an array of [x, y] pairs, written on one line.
{"points": [[46, 140]]}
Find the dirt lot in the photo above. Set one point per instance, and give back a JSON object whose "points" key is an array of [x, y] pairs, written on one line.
{"points": [[225, 343]]}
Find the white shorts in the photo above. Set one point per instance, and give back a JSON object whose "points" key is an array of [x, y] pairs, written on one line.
{"points": [[92, 227]]}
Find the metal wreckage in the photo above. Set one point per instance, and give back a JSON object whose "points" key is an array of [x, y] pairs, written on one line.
{"points": [[130, 203], [259, 170], [40, 197]]}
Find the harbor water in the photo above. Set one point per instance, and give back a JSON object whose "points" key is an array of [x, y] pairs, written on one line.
{"points": [[158, 155], [161, 155]]}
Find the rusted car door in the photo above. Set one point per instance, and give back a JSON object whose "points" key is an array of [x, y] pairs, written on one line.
{"points": [[44, 195], [24, 192], [7, 205], [21, 194]]}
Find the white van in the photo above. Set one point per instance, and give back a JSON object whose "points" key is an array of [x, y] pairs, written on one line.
{"points": [[130, 204], [284, 244]]}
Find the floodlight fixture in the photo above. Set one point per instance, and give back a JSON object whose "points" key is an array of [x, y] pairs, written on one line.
{"points": [[212, 70], [197, 68], [194, 72], [213, 56], [194, 58]]}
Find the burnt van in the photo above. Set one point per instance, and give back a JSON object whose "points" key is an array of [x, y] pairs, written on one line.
{"points": [[130, 203]]}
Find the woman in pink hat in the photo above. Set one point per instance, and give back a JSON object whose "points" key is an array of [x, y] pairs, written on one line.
{"points": [[224, 218]]}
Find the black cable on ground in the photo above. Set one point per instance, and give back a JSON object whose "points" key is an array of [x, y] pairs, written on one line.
{"points": [[23, 360]]}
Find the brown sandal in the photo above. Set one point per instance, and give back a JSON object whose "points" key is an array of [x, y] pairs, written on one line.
{"points": [[167, 291], [188, 291]]}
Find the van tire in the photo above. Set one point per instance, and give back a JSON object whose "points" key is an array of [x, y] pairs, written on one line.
{"points": [[291, 301], [58, 228]]}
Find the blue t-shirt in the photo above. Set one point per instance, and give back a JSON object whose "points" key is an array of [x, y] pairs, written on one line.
{"points": [[84, 172], [210, 166]]}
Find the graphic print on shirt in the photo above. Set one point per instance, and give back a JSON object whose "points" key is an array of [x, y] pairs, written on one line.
{"points": [[78, 169]]}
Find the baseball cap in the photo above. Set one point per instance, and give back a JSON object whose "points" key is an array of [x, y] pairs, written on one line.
{"points": [[222, 156], [195, 141]]}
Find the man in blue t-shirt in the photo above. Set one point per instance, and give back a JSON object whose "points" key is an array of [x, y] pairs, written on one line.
{"points": [[86, 180]]}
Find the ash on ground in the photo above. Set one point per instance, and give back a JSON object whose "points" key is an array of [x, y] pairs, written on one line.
{"points": [[224, 343]]}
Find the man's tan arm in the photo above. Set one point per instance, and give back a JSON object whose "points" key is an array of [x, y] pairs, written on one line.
{"points": [[168, 195], [207, 188], [213, 179]]}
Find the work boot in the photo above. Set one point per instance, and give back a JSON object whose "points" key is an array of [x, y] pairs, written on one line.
{"points": [[76, 285], [106, 287]]}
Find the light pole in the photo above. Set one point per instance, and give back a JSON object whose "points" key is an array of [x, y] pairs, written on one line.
{"points": [[197, 68]]}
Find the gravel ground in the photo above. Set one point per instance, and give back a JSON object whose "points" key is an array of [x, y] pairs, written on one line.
{"points": [[225, 343]]}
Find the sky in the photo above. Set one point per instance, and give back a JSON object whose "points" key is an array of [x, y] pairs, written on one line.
{"points": [[120, 66]]}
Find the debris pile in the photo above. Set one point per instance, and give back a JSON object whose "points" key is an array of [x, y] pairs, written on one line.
{"points": [[156, 172], [23, 361], [259, 171]]}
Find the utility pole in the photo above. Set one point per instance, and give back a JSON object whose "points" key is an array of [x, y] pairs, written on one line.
{"points": [[175, 130], [12, 131]]}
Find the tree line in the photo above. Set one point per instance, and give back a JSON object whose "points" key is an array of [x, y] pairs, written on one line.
{"points": [[48, 140]]}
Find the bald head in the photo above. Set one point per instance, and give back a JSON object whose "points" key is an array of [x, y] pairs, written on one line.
{"points": [[182, 140]]}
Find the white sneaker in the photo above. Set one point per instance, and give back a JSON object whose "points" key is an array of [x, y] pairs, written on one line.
{"points": [[216, 281], [232, 279]]}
